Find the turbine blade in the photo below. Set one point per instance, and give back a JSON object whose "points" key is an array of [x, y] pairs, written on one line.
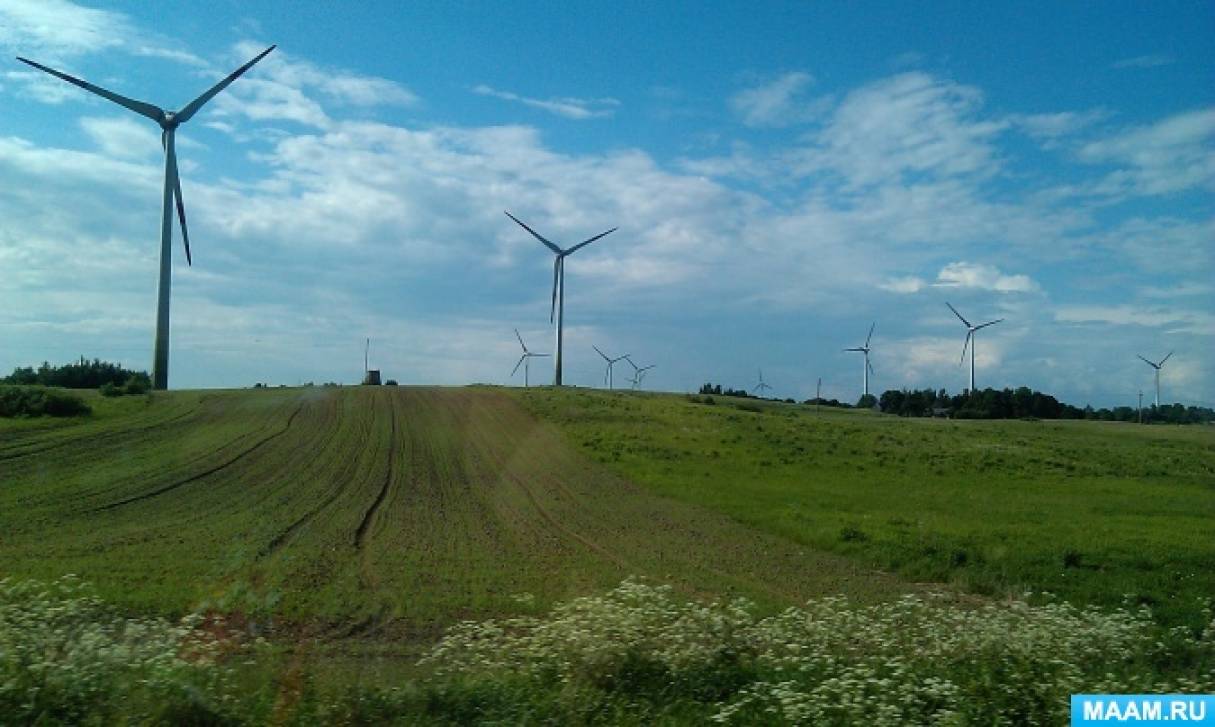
{"points": [[959, 315], [854, 349], [1149, 363], [552, 311], [520, 340], [144, 109], [584, 243], [192, 108], [535, 234], [517, 365], [964, 345], [871, 368], [601, 353], [539, 354], [870, 336], [175, 180], [989, 323], [1166, 358]]}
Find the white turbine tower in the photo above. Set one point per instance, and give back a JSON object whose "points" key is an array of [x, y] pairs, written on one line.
{"points": [[759, 388], [607, 376], [970, 341], [525, 359], [1156, 366], [168, 121], [558, 305], [865, 349]]}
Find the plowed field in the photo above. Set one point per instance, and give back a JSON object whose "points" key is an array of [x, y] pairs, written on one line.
{"points": [[346, 511]]}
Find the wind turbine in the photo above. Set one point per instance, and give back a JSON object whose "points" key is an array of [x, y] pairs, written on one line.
{"points": [[168, 121], [865, 349], [524, 359], [761, 385], [607, 376], [558, 306], [1156, 366], [638, 372], [970, 335]]}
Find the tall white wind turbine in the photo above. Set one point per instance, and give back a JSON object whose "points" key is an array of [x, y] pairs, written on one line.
{"points": [[558, 306], [970, 341], [865, 349], [1156, 366], [525, 359], [168, 121], [607, 376]]}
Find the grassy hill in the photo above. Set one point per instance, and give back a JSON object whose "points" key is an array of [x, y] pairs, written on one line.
{"points": [[1093, 512], [355, 526], [340, 511]]}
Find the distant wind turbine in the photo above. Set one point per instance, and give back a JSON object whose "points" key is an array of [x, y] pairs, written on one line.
{"points": [[1156, 366], [865, 349], [525, 359], [558, 306], [638, 372], [607, 376], [168, 121], [759, 388], [970, 340]]}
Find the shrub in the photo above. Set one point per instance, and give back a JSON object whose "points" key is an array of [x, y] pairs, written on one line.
{"points": [[65, 657], [390, 382], [137, 383], [641, 655], [36, 401]]}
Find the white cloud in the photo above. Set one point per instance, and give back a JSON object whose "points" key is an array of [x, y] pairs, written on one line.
{"points": [[907, 125], [1052, 126], [121, 137], [1167, 156], [283, 88], [59, 29], [52, 31], [780, 102], [983, 277], [569, 108], [1175, 320], [903, 285]]}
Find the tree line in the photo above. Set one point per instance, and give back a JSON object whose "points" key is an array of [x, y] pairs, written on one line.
{"points": [[1025, 403], [83, 374]]}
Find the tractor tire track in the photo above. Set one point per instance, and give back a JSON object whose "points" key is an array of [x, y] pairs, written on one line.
{"points": [[360, 535], [99, 438], [205, 473]]}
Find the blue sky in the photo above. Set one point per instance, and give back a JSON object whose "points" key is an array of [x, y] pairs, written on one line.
{"points": [[783, 174]]}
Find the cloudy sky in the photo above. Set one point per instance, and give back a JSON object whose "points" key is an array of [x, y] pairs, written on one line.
{"points": [[783, 175]]}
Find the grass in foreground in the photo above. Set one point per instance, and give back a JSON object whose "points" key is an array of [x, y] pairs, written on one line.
{"points": [[635, 655], [1092, 512]]}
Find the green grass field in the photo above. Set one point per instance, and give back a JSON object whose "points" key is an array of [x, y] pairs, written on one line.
{"points": [[354, 526], [1092, 512], [343, 510]]}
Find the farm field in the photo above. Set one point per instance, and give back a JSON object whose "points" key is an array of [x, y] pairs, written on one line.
{"points": [[1092, 512], [339, 512], [359, 529]]}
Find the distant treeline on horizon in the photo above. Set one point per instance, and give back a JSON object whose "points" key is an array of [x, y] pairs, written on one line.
{"points": [[83, 374], [1020, 403]]}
